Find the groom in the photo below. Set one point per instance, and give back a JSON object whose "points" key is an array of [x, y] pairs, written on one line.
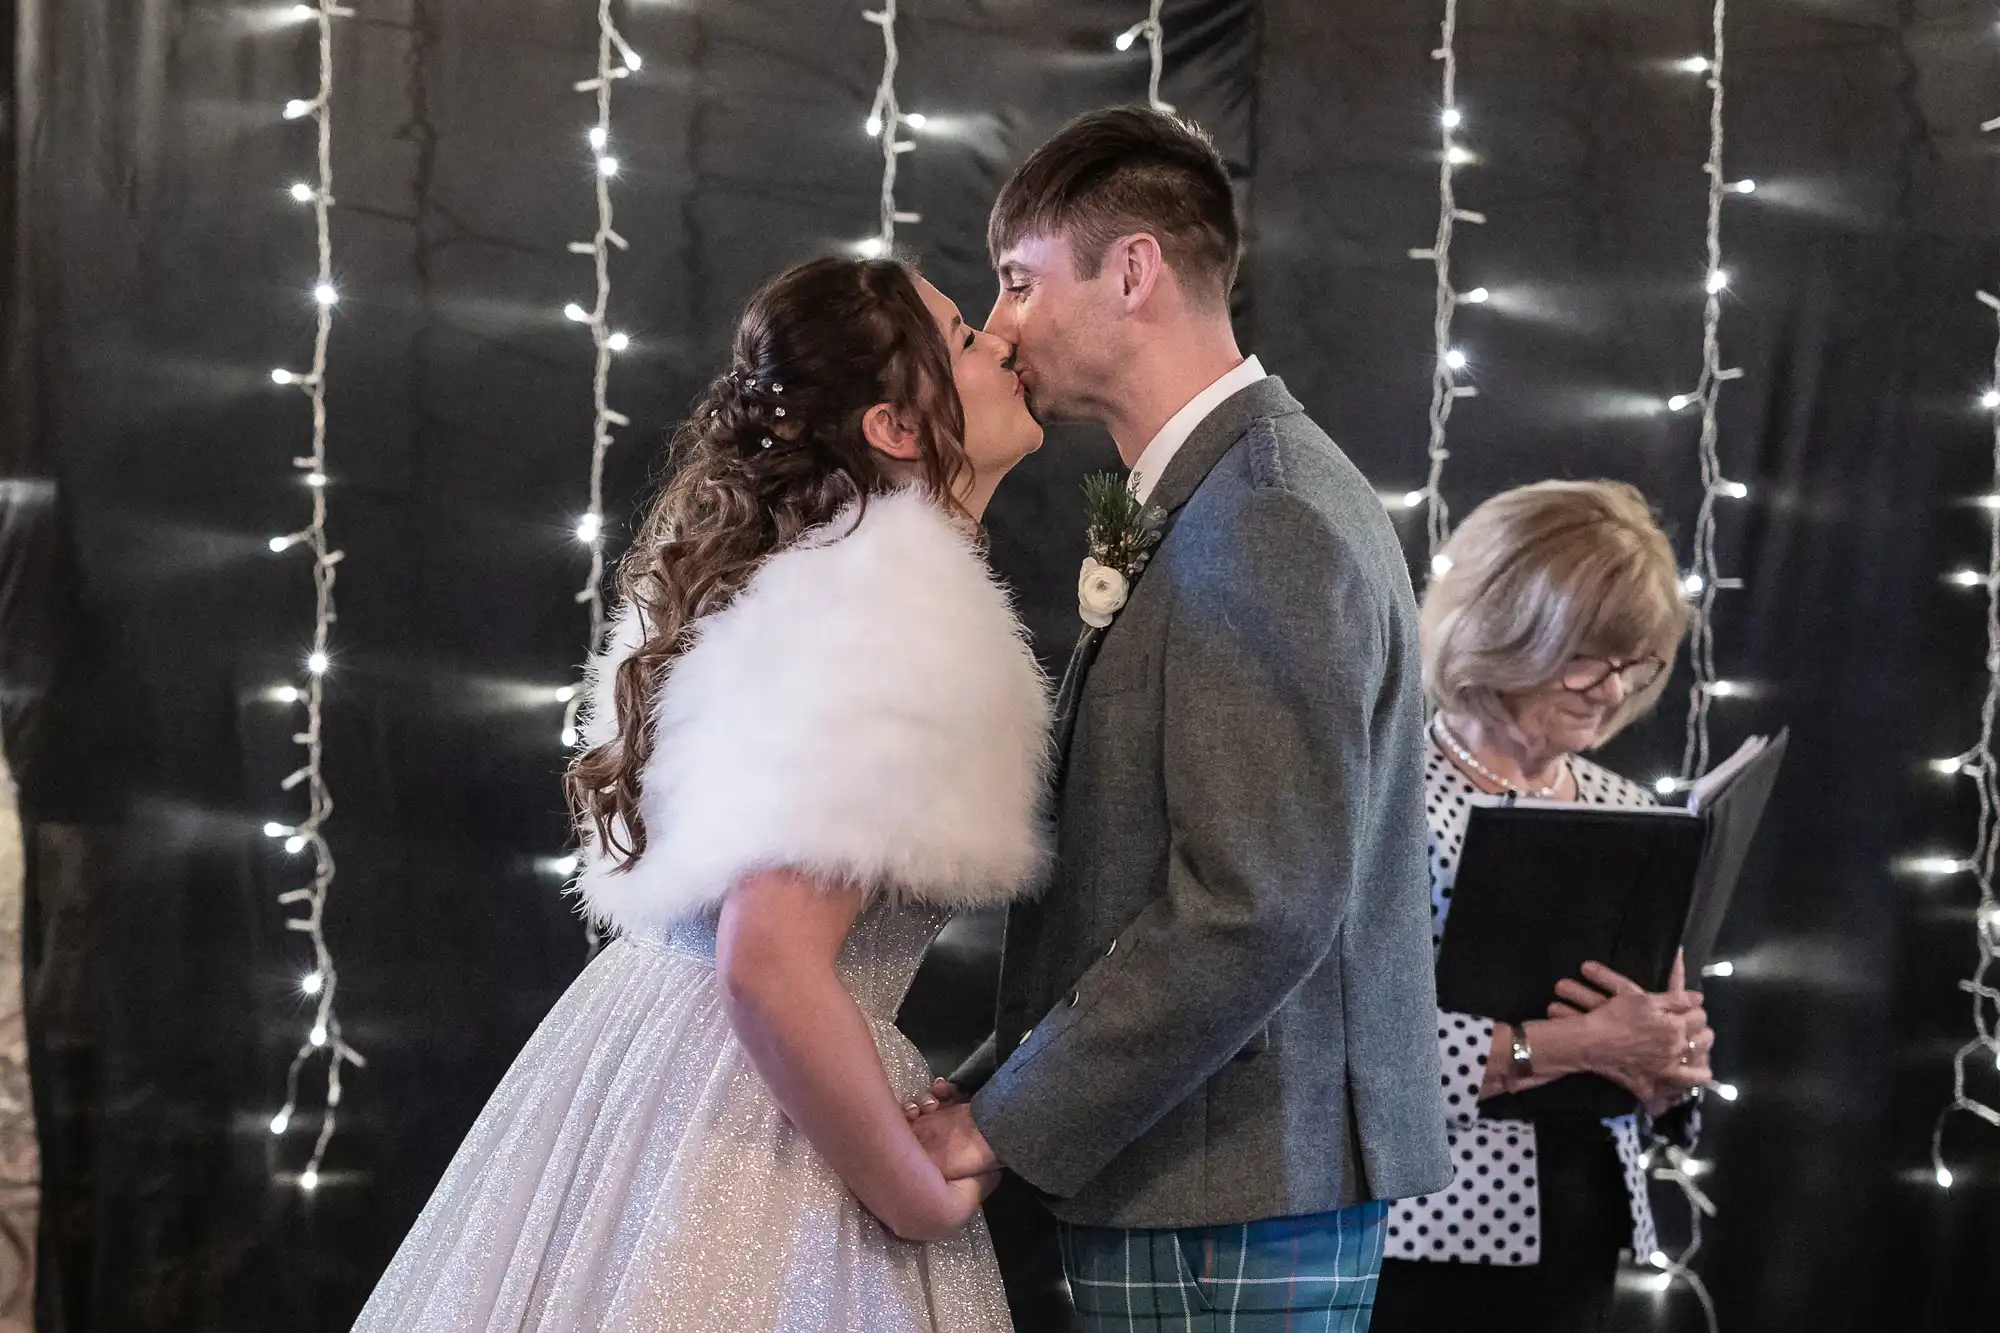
{"points": [[1215, 1031]]}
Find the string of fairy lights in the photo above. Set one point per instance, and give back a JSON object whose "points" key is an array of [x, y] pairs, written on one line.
{"points": [[1980, 764], [306, 906], [616, 60], [885, 124], [1449, 361], [1155, 34], [1704, 579]]}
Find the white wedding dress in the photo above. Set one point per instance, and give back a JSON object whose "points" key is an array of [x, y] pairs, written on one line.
{"points": [[866, 708]]}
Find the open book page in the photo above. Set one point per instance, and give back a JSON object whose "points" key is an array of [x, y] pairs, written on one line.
{"points": [[1706, 786]]}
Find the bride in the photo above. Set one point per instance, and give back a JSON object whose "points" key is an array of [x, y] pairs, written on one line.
{"points": [[817, 730]]}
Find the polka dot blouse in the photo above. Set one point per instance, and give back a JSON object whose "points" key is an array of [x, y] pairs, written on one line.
{"points": [[1491, 1211]]}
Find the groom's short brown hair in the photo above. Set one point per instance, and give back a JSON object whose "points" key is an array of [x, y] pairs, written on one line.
{"points": [[1123, 170]]}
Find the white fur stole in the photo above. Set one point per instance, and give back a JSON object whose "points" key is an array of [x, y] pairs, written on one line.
{"points": [[866, 709]]}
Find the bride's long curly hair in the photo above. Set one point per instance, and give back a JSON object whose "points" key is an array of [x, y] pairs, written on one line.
{"points": [[773, 449]]}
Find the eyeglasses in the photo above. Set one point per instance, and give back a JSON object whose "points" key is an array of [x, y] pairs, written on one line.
{"points": [[1584, 674]]}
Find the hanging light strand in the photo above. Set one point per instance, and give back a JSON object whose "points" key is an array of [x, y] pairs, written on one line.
{"points": [[1704, 581], [1448, 360], [1978, 763], [615, 60], [1155, 34], [322, 983], [886, 122]]}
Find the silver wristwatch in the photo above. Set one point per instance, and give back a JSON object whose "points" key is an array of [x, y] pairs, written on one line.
{"points": [[1523, 1064]]}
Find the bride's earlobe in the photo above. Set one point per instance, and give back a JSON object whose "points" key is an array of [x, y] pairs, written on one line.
{"points": [[888, 433]]}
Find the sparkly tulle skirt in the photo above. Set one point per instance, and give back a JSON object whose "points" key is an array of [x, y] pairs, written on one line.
{"points": [[632, 1174]]}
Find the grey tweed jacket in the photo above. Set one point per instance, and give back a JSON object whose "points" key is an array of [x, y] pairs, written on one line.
{"points": [[1223, 1007]]}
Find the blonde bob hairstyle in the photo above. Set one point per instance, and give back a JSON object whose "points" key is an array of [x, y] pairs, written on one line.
{"points": [[1542, 574]]}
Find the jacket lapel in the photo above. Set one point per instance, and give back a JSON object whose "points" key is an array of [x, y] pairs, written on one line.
{"points": [[1213, 437]]}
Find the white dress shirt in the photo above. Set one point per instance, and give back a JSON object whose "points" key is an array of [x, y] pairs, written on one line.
{"points": [[1153, 459]]}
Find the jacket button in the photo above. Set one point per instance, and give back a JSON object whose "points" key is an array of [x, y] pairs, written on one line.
{"points": [[1074, 996]]}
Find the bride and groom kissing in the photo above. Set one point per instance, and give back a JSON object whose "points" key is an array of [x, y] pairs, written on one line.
{"points": [[818, 730]]}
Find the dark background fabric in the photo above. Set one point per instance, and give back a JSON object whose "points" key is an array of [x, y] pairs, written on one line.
{"points": [[156, 271]]}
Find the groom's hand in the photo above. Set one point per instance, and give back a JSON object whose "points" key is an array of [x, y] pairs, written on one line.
{"points": [[955, 1144]]}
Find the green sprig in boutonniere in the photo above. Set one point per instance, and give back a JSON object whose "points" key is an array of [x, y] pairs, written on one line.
{"points": [[1121, 534]]}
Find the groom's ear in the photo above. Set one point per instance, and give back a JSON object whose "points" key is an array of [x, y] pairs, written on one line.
{"points": [[1139, 267], [889, 432]]}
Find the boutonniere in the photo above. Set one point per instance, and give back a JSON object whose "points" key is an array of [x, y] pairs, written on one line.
{"points": [[1121, 534]]}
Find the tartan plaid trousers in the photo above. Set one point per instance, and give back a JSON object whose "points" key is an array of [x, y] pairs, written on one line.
{"points": [[1312, 1274]]}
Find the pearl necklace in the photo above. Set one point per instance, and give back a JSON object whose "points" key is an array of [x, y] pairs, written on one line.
{"points": [[1465, 756]]}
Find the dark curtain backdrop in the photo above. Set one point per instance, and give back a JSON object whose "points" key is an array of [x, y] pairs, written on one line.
{"points": [[157, 271]]}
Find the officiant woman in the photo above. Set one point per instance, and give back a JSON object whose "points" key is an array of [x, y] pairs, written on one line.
{"points": [[1550, 630]]}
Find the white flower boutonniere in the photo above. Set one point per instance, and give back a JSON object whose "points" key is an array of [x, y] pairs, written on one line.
{"points": [[1122, 534]]}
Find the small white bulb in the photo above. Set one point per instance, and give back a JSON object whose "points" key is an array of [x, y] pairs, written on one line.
{"points": [[567, 736], [871, 248], [632, 61], [309, 1179], [1949, 768], [315, 479], [1457, 155], [303, 12], [302, 192], [1666, 786], [1658, 1259], [565, 865], [282, 543], [1693, 65], [1412, 499], [1455, 359], [607, 166], [295, 844], [916, 120], [1944, 1177], [297, 107], [1734, 490], [1440, 565], [1718, 280], [1744, 186], [317, 664], [597, 137], [1451, 118], [312, 983], [576, 312], [618, 342], [1722, 969], [1966, 578], [873, 126], [1477, 296], [1125, 39], [286, 694], [276, 830], [565, 694], [1680, 402], [1724, 689], [318, 1035], [282, 376], [1693, 585], [1991, 398], [1729, 1092], [588, 527], [280, 1123], [325, 294]]}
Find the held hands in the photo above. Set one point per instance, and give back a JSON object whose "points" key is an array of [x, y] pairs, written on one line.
{"points": [[1655, 1046], [943, 1124]]}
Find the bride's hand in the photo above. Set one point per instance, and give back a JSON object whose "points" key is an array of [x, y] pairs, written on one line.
{"points": [[943, 1093]]}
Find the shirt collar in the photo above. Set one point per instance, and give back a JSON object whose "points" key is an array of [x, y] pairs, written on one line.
{"points": [[1153, 459]]}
